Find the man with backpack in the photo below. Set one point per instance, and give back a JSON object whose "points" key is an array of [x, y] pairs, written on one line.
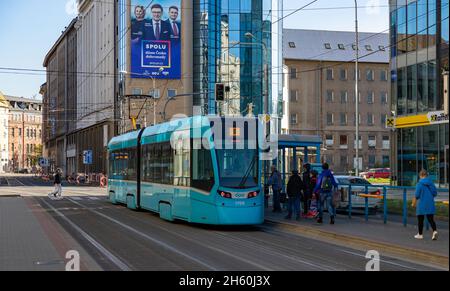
{"points": [[324, 188]]}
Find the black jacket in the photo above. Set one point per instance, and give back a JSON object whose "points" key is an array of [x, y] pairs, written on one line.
{"points": [[308, 187], [295, 186], [58, 179]]}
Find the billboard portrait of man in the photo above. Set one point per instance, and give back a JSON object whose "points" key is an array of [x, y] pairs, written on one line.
{"points": [[175, 25], [158, 29], [156, 39]]}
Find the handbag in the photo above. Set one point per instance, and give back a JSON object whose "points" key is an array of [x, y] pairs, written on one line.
{"points": [[336, 197]]}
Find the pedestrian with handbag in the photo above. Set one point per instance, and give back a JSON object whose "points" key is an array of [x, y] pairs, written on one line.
{"points": [[424, 203]]}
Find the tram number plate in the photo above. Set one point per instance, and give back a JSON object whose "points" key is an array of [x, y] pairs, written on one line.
{"points": [[240, 203]]}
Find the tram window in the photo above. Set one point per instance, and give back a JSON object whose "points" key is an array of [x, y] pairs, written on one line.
{"points": [[132, 158], [202, 169], [182, 170], [167, 164]]}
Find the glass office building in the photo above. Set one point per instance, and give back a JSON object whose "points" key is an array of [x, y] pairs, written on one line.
{"points": [[419, 57], [232, 43]]}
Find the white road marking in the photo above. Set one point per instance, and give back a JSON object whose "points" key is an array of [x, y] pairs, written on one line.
{"points": [[121, 265], [162, 244]]}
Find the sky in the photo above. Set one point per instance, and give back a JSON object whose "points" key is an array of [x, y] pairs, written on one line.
{"points": [[29, 28]]}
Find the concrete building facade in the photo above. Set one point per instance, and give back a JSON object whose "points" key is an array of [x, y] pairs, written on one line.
{"points": [[321, 74], [60, 99]]}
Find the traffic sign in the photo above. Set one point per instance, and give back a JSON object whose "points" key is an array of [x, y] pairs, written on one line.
{"points": [[87, 157], [43, 162], [390, 122]]}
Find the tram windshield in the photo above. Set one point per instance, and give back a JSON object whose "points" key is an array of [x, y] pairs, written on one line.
{"points": [[238, 168]]}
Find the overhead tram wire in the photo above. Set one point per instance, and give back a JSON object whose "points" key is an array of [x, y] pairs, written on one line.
{"points": [[115, 75]]}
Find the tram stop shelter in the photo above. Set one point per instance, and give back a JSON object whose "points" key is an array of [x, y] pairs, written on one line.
{"points": [[294, 151]]}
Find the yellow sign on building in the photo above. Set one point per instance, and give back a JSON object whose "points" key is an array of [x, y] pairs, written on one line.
{"points": [[434, 117]]}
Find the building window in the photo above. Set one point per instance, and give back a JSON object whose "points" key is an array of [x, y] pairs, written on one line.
{"points": [[386, 161], [343, 74], [370, 119], [372, 142], [156, 93], [327, 46], [293, 118], [12, 147], [12, 132], [171, 93], [294, 96], [136, 91], [383, 75], [293, 73], [330, 74], [344, 161], [330, 119], [343, 118], [384, 98], [28, 133], [329, 141], [370, 97], [20, 131], [360, 142], [343, 142], [344, 97], [386, 142], [330, 95], [369, 75], [372, 161], [292, 44]]}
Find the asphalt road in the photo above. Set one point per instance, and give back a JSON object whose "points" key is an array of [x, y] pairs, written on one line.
{"points": [[121, 239]]}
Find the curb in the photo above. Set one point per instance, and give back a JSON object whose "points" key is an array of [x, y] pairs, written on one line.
{"points": [[365, 244]]}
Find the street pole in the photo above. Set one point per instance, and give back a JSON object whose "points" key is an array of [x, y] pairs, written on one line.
{"points": [[356, 89]]}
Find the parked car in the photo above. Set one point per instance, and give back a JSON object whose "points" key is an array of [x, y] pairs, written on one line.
{"points": [[379, 173], [23, 171], [358, 187]]}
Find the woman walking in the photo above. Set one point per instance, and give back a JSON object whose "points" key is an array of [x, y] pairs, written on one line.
{"points": [[425, 193]]}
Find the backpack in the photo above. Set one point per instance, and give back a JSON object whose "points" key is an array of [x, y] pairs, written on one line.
{"points": [[327, 185]]}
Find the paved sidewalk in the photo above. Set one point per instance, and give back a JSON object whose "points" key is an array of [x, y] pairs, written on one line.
{"points": [[391, 238], [31, 240]]}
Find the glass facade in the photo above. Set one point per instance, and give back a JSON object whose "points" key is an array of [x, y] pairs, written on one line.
{"points": [[419, 56], [232, 45]]}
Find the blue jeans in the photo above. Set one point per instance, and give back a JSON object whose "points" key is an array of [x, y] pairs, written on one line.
{"points": [[276, 200], [294, 204], [328, 197]]}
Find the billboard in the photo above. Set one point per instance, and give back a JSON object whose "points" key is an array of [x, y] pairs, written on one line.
{"points": [[156, 39]]}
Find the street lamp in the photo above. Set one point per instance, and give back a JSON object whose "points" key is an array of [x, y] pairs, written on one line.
{"points": [[356, 89]]}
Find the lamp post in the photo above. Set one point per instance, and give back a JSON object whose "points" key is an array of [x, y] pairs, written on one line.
{"points": [[356, 90]]}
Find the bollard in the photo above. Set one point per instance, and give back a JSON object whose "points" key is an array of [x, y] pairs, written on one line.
{"points": [[366, 210], [350, 201], [405, 208], [385, 205]]}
